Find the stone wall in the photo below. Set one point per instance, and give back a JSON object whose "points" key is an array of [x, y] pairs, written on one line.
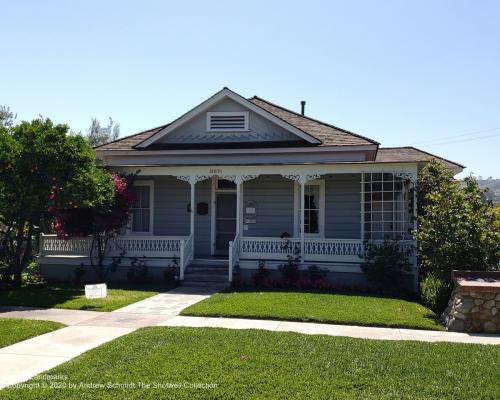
{"points": [[475, 303]]}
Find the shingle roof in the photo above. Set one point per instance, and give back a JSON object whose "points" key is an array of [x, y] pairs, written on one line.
{"points": [[409, 154], [128, 142], [329, 135]]}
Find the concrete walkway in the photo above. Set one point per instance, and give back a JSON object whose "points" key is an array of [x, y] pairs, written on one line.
{"points": [[85, 330], [89, 329]]}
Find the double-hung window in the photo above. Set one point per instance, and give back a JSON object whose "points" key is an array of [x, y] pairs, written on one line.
{"points": [[142, 208], [314, 208]]}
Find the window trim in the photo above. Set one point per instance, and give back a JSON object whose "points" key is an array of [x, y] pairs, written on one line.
{"points": [[245, 114], [130, 230], [322, 211]]}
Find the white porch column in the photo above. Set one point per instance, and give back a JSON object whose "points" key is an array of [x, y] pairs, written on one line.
{"points": [[192, 183], [239, 183], [302, 206]]}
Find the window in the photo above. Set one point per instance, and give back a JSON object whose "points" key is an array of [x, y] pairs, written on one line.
{"points": [[227, 121], [314, 205], [387, 206], [225, 184], [311, 209], [142, 213]]}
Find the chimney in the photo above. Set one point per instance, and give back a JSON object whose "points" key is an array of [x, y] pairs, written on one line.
{"points": [[303, 107]]}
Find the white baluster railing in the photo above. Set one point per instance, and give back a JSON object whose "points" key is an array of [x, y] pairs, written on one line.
{"points": [[315, 249], [50, 245], [186, 251], [234, 255], [129, 246]]}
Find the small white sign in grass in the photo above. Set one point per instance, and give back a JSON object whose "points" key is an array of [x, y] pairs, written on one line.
{"points": [[97, 291]]}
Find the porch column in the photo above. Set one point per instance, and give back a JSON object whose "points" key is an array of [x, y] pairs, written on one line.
{"points": [[239, 182], [302, 206], [192, 183]]}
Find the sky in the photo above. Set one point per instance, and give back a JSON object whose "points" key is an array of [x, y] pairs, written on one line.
{"points": [[421, 73]]}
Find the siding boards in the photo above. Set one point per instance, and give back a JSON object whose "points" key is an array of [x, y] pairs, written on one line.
{"points": [[343, 206], [273, 196], [170, 207]]}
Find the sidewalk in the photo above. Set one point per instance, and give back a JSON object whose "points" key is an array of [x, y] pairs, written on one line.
{"points": [[86, 330], [309, 328], [89, 329]]}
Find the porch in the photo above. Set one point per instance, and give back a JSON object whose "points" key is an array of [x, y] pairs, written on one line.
{"points": [[243, 215]]}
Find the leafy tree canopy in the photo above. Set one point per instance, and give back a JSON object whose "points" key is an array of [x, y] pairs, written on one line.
{"points": [[97, 135], [457, 227], [37, 158]]}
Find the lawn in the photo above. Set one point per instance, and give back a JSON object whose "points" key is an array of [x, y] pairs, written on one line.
{"points": [[317, 307], [13, 330], [260, 364], [73, 297]]}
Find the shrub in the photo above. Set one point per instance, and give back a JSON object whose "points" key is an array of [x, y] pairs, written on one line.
{"points": [[290, 270], [386, 265], [435, 292], [31, 275], [458, 228], [138, 271], [259, 276], [170, 273]]}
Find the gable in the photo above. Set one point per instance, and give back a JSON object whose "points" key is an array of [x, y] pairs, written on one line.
{"points": [[189, 129], [260, 129]]}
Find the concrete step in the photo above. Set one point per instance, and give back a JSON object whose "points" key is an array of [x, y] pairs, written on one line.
{"points": [[217, 262], [208, 285], [206, 270], [205, 278]]}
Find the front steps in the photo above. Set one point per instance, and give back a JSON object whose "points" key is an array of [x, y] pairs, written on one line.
{"points": [[207, 273]]}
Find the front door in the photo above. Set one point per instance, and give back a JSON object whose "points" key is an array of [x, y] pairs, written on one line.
{"points": [[225, 221]]}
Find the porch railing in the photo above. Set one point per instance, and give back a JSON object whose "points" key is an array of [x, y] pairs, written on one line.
{"points": [[234, 255], [315, 249], [130, 246], [186, 251]]}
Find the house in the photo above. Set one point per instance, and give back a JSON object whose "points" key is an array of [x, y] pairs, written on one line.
{"points": [[235, 181]]}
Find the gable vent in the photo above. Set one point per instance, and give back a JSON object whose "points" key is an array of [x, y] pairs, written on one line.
{"points": [[227, 121]]}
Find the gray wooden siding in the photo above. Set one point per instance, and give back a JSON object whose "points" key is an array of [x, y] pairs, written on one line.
{"points": [[342, 206], [171, 197], [274, 197], [260, 129]]}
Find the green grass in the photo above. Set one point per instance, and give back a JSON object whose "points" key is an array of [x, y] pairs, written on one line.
{"points": [[265, 365], [13, 330], [317, 307], [73, 297]]}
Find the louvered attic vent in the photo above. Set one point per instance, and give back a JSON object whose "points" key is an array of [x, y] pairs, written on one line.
{"points": [[227, 121]]}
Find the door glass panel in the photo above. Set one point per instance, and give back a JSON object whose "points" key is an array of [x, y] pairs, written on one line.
{"points": [[225, 224]]}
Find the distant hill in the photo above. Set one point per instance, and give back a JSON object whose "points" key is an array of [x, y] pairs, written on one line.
{"points": [[494, 188]]}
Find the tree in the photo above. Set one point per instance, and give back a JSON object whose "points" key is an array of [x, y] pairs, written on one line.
{"points": [[37, 158], [96, 135], [456, 225], [7, 117], [103, 220]]}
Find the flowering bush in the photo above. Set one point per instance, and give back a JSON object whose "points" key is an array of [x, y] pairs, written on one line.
{"points": [[102, 219]]}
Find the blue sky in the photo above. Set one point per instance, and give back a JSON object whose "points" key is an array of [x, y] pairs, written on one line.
{"points": [[423, 73]]}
